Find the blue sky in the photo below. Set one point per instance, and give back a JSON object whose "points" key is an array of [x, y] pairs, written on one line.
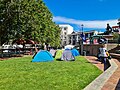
{"points": [[93, 14]]}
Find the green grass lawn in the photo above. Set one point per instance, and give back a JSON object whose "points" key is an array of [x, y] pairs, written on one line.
{"points": [[22, 74]]}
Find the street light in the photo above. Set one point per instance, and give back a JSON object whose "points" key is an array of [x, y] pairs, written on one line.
{"points": [[81, 44], [82, 27]]}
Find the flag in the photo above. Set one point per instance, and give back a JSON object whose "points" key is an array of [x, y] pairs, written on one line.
{"points": [[83, 37]]}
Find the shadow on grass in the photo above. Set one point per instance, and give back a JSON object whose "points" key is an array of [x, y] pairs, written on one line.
{"points": [[64, 60], [58, 60]]}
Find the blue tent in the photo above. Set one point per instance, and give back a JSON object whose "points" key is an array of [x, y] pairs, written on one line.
{"points": [[43, 56], [75, 52]]}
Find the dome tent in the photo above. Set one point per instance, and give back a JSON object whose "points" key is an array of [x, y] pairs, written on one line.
{"points": [[67, 55], [58, 54], [43, 56], [75, 52]]}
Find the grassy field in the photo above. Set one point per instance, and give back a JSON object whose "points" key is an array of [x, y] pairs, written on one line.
{"points": [[22, 74]]}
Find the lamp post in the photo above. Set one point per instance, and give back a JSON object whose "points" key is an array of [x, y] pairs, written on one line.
{"points": [[81, 44], [82, 27]]}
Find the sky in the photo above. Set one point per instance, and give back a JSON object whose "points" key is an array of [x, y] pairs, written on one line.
{"points": [[93, 14]]}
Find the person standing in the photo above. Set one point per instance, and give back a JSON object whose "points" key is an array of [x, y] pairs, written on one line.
{"points": [[103, 57]]}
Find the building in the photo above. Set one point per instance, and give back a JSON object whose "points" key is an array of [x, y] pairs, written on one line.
{"points": [[65, 31], [74, 38], [70, 37], [117, 28]]}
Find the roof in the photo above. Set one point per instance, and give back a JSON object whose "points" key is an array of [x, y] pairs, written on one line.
{"points": [[115, 26]]}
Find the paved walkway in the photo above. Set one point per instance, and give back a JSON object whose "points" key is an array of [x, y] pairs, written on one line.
{"points": [[113, 83], [94, 61]]}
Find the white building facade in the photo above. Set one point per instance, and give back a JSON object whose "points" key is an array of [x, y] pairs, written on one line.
{"points": [[70, 37], [65, 31]]}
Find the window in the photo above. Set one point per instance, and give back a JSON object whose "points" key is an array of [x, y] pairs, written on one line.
{"points": [[69, 41], [73, 36], [64, 42], [65, 28], [73, 42]]}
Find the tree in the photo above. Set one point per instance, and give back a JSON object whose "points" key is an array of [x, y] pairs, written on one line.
{"points": [[7, 15], [30, 19], [37, 22], [116, 37]]}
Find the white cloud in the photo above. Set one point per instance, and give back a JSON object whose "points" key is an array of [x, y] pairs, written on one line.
{"points": [[87, 24]]}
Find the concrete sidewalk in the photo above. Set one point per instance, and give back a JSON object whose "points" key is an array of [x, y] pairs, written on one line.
{"points": [[111, 76], [114, 81], [94, 61]]}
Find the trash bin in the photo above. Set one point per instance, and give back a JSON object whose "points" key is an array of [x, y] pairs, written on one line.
{"points": [[84, 53]]}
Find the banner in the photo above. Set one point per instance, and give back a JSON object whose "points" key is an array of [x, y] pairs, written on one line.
{"points": [[83, 37]]}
